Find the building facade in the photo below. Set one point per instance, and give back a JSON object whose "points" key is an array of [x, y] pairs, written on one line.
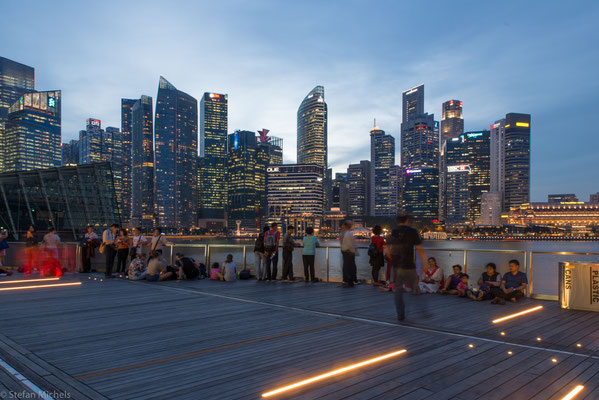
{"points": [[32, 132], [213, 150], [126, 124], [490, 209], [70, 152], [594, 198], [340, 192], [142, 212], [517, 160], [312, 129], [562, 198], [272, 145], [573, 217], [358, 187], [452, 121], [382, 189], [412, 103], [421, 193]]}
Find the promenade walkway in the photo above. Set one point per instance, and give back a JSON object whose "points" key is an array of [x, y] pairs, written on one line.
{"points": [[116, 339]]}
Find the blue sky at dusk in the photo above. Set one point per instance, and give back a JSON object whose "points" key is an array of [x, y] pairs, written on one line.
{"points": [[537, 57]]}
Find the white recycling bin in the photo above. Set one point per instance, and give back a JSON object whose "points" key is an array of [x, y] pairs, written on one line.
{"points": [[579, 286]]}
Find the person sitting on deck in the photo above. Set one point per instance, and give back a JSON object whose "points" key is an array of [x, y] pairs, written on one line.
{"points": [[488, 281], [137, 267], [156, 267], [215, 272], [512, 286], [432, 277], [463, 288], [187, 268], [229, 272], [452, 281]]}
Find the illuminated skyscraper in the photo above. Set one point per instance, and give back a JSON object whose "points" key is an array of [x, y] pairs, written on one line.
{"points": [[517, 160], [382, 158], [421, 193], [175, 155], [452, 122], [358, 186], [340, 194], [126, 116], [15, 80], [312, 129], [273, 145], [412, 103], [498, 156], [70, 153], [142, 163], [32, 134], [213, 150], [242, 180]]}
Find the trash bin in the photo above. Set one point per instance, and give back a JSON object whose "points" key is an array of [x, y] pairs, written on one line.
{"points": [[579, 286]]}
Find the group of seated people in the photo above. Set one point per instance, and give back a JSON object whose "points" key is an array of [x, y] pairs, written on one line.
{"points": [[491, 285]]}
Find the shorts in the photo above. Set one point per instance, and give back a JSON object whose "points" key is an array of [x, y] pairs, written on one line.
{"points": [[153, 278]]}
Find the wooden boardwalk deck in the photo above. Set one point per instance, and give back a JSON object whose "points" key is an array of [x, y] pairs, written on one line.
{"points": [[117, 339]]}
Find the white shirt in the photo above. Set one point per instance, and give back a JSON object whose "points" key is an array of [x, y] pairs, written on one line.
{"points": [[92, 236], [139, 242], [348, 243], [107, 237], [51, 240]]}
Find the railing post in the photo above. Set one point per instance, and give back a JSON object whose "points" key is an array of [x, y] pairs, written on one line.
{"points": [[244, 257], [530, 287], [206, 257], [327, 264], [465, 261], [172, 246]]}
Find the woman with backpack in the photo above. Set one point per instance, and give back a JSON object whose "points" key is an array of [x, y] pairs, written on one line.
{"points": [[259, 254], [376, 254]]}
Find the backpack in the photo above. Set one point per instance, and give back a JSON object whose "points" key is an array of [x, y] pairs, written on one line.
{"points": [[373, 250], [245, 274], [270, 241]]}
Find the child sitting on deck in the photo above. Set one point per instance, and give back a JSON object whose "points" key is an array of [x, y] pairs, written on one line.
{"points": [[229, 269], [463, 287], [215, 272], [137, 267]]}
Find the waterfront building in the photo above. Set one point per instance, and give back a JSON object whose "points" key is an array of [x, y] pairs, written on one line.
{"points": [[579, 217], [412, 103], [126, 124], [517, 160], [312, 129], [175, 155], [142, 211], [294, 195], [490, 209], [421, 193], [340, 194], [594, 198], [213, 150], [358, 184], [382, 159], [32, 132], [67, 198], [16, 79], [562, 198], [70, 152]]}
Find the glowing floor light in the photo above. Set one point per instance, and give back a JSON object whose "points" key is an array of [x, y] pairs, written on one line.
{"points": [[573, 393], [30, 280], [333, 373], [40, 286], [495, 321]]}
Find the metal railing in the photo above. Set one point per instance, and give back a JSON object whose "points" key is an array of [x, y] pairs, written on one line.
{"points": [[15, 257]]}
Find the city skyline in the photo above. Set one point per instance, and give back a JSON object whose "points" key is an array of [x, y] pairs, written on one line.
{"points": [[491, 70]]}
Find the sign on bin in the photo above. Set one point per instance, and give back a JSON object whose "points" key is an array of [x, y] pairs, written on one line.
{"points": [[579, 286]]}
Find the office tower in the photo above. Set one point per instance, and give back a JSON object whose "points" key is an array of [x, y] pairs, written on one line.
{"points": [[213, 150], [113, 140], [467, 176], [91, 146], [142, 163], [412, 103], [15, 80], [273, 145], [358, 183], [312, 129], [396, 179], [490, 209], [562, 198], [382, 158], [497, 156], [421, 193], [244, 178], [294, 195], [70, 152], [340, 192], [594, 198], [126, 121], [32, 132], [452, 122], [175, 155], [517, 160]]}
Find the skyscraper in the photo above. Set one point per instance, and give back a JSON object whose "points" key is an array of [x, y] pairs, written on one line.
{"points": [[312, 129], [340, 194], [517, 160], [452, 122], [382, 158], [421, 193], [412, 103], [358, 187], [70, 152], [175, 155], [142, 163], [32, 132], [273, 145], [213, 150], [498, 156], [126, 121], [420, 142], [242, 179], [15, 80]]}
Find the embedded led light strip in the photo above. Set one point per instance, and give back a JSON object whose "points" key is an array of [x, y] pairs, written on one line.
{"points": [[41, 286], [30, 280], [573, 392], [495, 321], [333, 373]]}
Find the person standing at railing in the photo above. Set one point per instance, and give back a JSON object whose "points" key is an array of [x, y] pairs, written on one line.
{"points": [[51, 241], [158, 242], [349, 251], [31, 255], [376, 252], [137, 243], [259, 255], [3, 245], [122, 242], [88, 248], [108, 248], [310, 243], [400, 247], [271, 251], [288, 245]]}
